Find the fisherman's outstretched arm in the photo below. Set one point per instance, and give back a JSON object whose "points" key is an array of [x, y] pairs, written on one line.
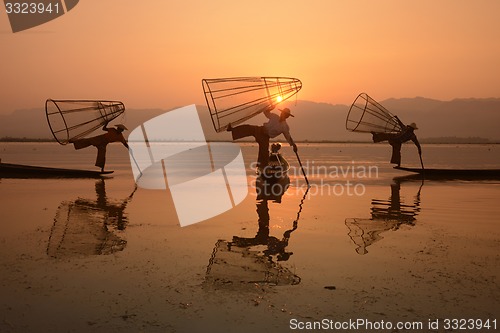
{"points": [[124, 142], [415, 141], [289, 138], [105, 127]]}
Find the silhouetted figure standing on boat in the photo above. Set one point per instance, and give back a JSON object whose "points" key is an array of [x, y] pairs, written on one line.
{"points": [[101, 142], [396, 140], [275, 126]]}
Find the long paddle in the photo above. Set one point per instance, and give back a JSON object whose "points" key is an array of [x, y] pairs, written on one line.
{"points": [[137, 165], [303, 171]]}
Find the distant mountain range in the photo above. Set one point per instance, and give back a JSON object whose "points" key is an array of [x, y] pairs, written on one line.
{"points": [[459, 119]]}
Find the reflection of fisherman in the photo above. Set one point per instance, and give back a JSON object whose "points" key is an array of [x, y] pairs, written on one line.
{"points": [[397, 139], [394, 208], [275, 126], [101, 141], [115, 212], [386, 215], [274, 245]]}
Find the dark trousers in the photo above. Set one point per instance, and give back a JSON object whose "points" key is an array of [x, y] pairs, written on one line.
{"points": [[395, 144], [101, 150], [396, 152], [101, 156], [261, 137]]}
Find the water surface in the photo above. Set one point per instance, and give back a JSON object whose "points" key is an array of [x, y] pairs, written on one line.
{"points": [[364, 242]]}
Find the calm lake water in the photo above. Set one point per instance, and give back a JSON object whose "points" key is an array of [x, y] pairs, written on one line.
{"points": [[363, 242]]}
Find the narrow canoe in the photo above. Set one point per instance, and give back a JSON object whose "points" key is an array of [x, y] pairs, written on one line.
{"points": [[455, 173], [8, 170]]}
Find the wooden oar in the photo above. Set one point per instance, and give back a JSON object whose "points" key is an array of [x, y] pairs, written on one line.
{"points": [[137, 165], [303, 171]]}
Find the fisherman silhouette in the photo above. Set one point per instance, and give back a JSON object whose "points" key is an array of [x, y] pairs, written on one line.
{"points": [[397, 139], [275, 126], [101, 142]]}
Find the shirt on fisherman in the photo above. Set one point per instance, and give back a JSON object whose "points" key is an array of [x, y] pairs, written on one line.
{"points": [[275, 127]]}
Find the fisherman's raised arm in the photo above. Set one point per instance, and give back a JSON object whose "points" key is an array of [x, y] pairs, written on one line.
{"points": [[400, 122], [289, 139], [105, 127], [267, 111]]}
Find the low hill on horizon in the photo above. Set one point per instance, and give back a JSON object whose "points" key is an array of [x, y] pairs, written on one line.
{"points": [[316, 122]]}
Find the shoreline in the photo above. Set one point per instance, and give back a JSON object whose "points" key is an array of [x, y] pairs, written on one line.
{"points": [[482, 141]]}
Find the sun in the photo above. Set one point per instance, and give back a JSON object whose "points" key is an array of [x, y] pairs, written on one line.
{"points": [[279, 99]]}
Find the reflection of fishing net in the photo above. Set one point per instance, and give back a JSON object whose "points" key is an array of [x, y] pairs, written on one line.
{"points": [[73, 119], [236, 267], [366, 115], [80, 229], [234, 100], [365, 232]]}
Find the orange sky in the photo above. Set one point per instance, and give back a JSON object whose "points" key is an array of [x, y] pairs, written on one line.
{"points": [[154, 56]]}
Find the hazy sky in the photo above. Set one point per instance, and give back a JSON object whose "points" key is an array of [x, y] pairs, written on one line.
{"points": [[153, 54]]}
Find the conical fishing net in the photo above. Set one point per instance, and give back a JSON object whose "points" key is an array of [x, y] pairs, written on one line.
{"points": [[234, 100], [366, 115], [74, 119]]}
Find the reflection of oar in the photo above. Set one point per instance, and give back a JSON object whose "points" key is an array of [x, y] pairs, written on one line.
{"points": [[286, 234], [303, 172]]}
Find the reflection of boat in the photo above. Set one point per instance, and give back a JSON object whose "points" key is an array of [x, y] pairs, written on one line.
{"points": [[8, 170], [273, 180], [271, 190], [453, 173]]}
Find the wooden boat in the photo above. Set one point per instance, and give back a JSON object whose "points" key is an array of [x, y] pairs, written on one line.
{"points": [[273, 181], [277, 167], [8, 170], [454, 173]]}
